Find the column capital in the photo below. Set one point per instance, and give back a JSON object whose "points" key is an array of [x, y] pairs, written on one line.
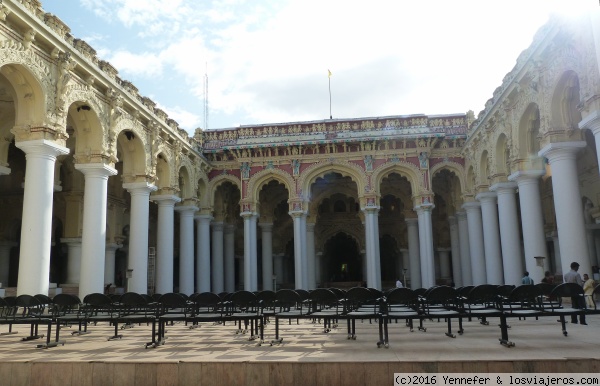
{"points": [[139, 188], [266, 226], [460, 216], [561, 150], [471, 205], [504, 187], [111, 247], [186, 209], [424, 207], [96, 170], [524, 175], [229, 228], [486, 197], [217, 226], [370, 209], [412, 221], [452, 220], [310, 226], [591, 121], [203, 217], [247, 214], [41, 148], [165, 199], [71, 240], [297, 213]]}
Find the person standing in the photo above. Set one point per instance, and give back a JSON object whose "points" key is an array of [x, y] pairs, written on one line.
{"points": [[588, 290], [526, 280], [399, 283], [574, 277]]}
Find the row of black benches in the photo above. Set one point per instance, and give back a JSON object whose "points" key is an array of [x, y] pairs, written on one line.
{"points": [[251, 311]]}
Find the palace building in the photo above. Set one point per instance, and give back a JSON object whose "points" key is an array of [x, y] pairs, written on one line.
{"points": [[99, 187]]}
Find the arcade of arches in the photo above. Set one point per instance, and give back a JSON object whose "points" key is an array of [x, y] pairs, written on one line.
{"points": [[100, 187]]}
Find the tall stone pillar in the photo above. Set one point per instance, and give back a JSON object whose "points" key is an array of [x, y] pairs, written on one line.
{"points": [[557, 258], [567, 203], [109, 263], [93, 237], [5, 247], [319, 268], [267, 255], [310, 255], [465, 248], [218, 284], [186, 248], [444, 256], [532, 221], [426, 245], [73, 260], [300, 263], [138, 235], [455, 251], [250, 261], [512, 257], [412, 225], [477, 250], [491, 238], [36, 226], [229, 258], [372, 247], [165, 242], [203, 252]]}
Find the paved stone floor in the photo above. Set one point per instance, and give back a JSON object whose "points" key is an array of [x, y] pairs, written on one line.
{"points": [[534, 339]]}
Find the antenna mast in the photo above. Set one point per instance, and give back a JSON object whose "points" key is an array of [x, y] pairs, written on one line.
{"points": [[206, 97]]}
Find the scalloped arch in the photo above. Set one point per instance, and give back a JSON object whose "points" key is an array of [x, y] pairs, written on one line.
{"points": [[264, 176], [214, 184], [346, 169], [403, 168], [454, 167], [95, 138], [38, 81], [344, 228]]}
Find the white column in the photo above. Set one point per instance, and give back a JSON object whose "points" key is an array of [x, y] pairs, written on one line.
{"points": [[138, 235], [73, 259], [109, 263], [465, 248], [310, 256], [426, 245], [165, 235], [592, 120], [203, 252], [278, 266], [476, 242], [254, 251], [319, 268], [557, 259], [5, 247], [94, 226], [267, 255], [405, 266], [36, 226], [217, 243], [512, 257], [248, 285], [491, 238], [229, 257], [444, 254], [455, 250], [186, 248], [372, 247], [532, 221], [412, 225], [567, 203], [300, 266]]}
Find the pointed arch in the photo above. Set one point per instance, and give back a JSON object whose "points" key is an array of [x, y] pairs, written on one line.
{"points": [[346, 169], [263, 177], [405, 169], [215, 183]]}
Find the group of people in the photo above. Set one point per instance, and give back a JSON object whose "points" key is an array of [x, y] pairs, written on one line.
{"points": [[572, 276]]}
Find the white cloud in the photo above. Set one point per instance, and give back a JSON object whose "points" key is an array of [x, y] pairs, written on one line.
{"points": [[268, 60]]}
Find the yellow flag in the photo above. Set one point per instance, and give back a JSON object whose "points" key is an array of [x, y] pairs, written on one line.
{"points": [[329, 74]]}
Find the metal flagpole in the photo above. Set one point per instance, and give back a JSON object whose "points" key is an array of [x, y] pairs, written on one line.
{"points": [[329, 77]]}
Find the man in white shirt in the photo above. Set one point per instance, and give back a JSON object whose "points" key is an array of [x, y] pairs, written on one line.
{"points": [[399, 284]]}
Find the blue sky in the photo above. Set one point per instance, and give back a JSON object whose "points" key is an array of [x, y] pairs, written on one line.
{"points": [[267, 60]]}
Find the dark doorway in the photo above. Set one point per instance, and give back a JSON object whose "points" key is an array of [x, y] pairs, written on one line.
{"points": [[343, 259]]}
